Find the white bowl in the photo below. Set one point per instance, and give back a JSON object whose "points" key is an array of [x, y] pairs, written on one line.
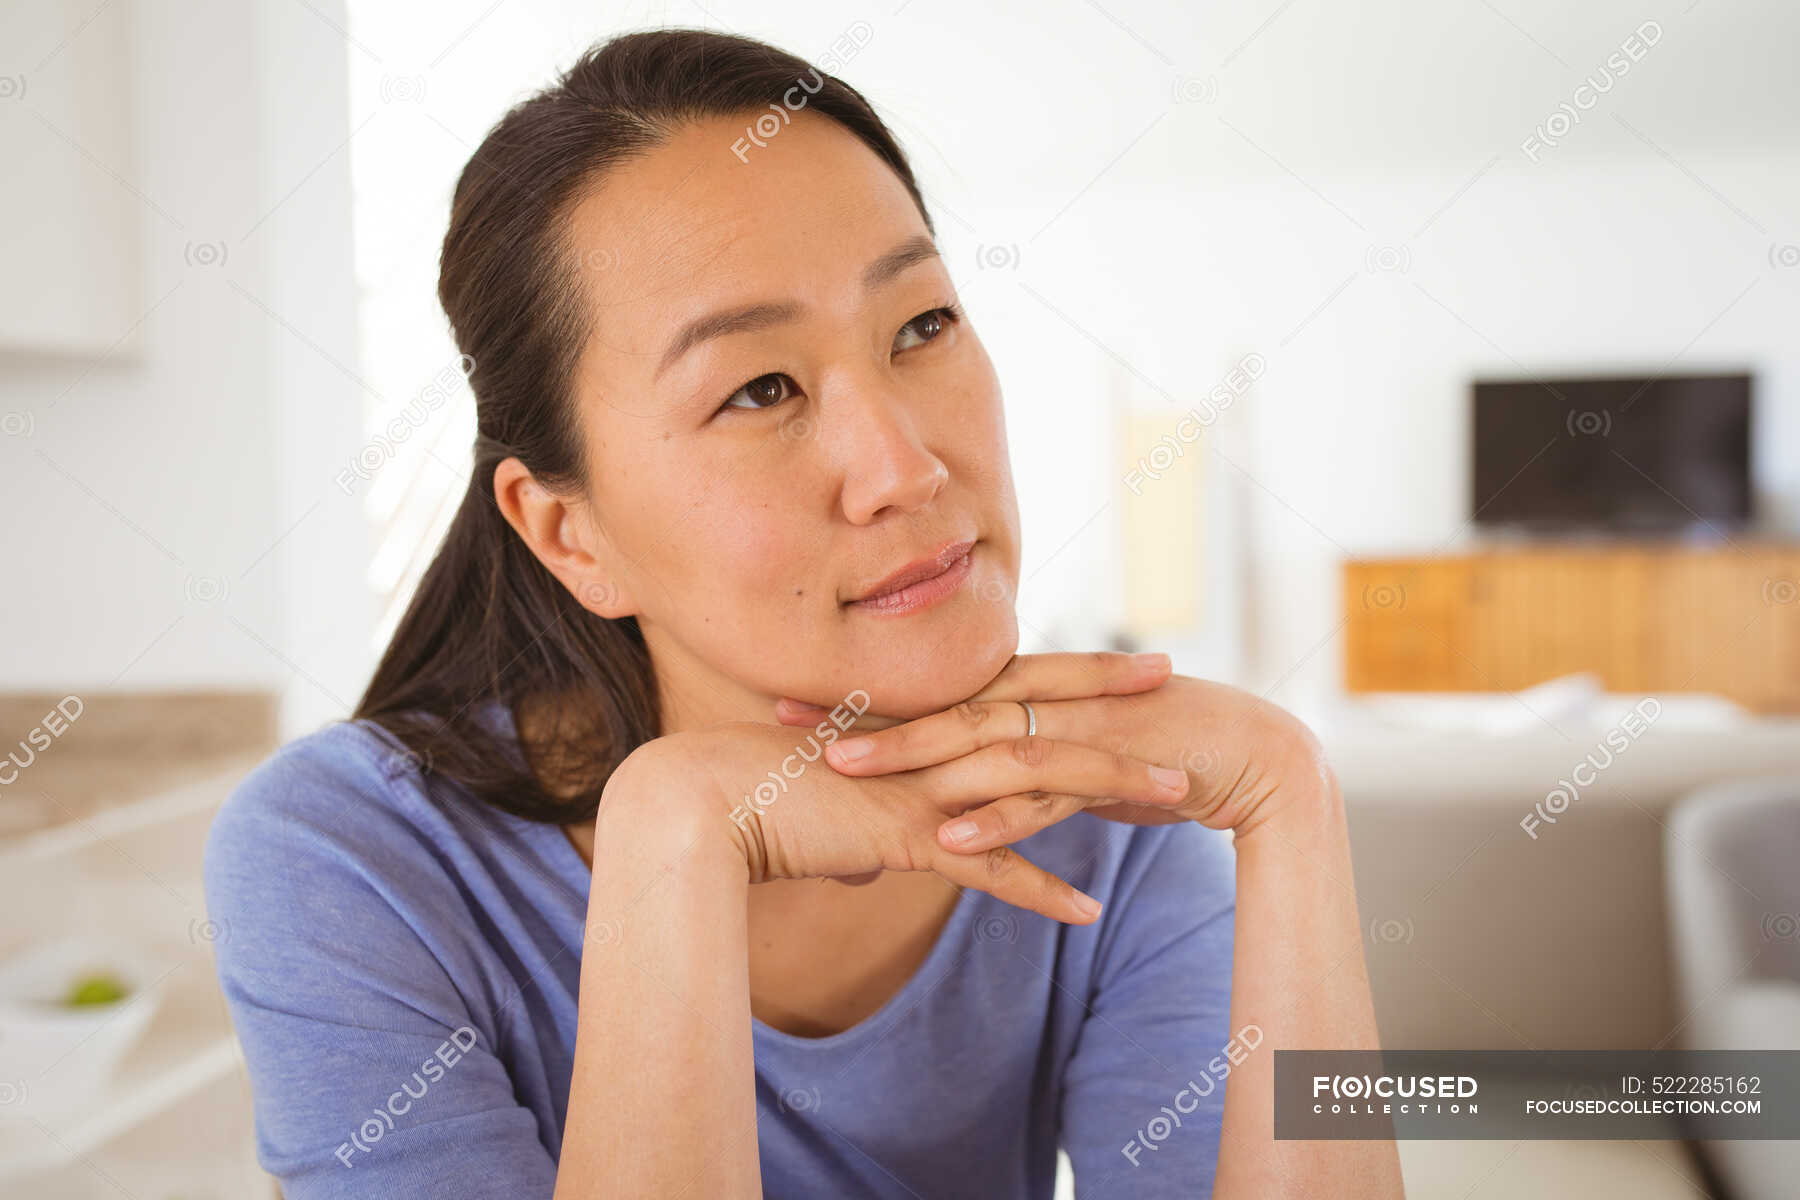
{"points": [[56, 1060]]}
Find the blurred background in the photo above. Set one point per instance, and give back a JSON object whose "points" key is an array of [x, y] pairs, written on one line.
{"points": [[1428, 368]]}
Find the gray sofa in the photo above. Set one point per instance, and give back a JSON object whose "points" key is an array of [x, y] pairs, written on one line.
{"points": [[1733, 872]]}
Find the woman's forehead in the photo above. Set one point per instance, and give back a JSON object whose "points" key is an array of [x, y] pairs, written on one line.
{"points": [[691, 225]]}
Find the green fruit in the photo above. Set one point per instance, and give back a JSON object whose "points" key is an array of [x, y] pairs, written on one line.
{"points": [[98, 988]]}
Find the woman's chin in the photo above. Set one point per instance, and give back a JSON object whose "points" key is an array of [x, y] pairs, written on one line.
{"points": [[956, 669]]}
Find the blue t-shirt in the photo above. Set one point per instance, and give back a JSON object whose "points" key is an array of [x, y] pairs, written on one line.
{"points": [[402, 961]]}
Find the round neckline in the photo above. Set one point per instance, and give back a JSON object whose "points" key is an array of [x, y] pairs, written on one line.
{"points": [[567, 861], [924, 976]]}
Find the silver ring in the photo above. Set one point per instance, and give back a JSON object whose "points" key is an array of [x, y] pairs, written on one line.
{"points": [[1030, 718]]}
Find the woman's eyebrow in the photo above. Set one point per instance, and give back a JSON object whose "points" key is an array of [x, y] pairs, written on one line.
{"points": [[746, 318], [915, 249]]}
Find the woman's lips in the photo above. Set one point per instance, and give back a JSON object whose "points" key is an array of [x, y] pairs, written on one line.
{"points": [[922, 593]]}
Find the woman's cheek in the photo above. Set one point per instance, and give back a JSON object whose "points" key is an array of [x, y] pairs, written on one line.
{"points": [[764, 557]]}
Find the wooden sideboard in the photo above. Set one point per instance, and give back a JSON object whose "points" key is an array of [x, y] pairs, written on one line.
{"points": [[1645, 617]]}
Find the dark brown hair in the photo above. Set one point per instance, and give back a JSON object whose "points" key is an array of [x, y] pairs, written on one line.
{"points": [[490, 631]]}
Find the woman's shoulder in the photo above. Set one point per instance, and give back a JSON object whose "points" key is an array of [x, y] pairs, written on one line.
{"points": [[323, 774], [348, 798]]}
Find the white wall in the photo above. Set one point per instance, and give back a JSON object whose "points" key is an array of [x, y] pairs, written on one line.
{"points": [[170, 519]]}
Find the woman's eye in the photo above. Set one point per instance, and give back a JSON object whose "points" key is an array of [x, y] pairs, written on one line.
{"points": [[927, 326], [765, 391]]}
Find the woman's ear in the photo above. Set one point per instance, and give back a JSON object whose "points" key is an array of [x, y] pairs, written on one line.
{"points": [[563, 535]]}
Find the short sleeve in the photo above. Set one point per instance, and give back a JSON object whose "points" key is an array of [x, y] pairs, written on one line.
{"points": [[1144, 1090], [372, 1073]]}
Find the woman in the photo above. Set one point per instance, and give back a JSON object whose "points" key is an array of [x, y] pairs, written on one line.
{"points": [[729, 603]]}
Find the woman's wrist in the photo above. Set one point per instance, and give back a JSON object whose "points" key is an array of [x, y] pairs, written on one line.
{"points": [[1287, 788], [660, 803]]}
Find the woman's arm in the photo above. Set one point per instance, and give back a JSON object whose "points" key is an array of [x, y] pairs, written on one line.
{"points": [[662, 1096], [1298, 972], [662, 1100], [1298, 976]]}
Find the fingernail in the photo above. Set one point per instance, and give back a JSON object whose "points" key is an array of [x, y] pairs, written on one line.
{"points": [[1151, 659], [1086, 905], [851, 749], [961, 830], [1169, 777]]}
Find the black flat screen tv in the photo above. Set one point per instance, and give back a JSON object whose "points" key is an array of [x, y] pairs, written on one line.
{"points": [[1647, 455]]}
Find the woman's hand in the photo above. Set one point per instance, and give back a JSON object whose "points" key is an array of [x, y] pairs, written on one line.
{"points": [[1237, 749], [795, 818]]}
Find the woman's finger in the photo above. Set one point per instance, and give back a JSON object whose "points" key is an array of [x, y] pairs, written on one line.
{"points": [[789, 711], [1069, 676], [1008, 819], [937, 738], [1061, 676], [1005, 875], [1014, 818], [1041, 764]]}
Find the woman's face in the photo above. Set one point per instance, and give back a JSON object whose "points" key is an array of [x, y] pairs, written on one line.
{"points": [[778, 414]]}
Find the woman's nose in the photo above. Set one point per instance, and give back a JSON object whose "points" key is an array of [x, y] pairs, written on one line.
{"points": [[885, 462]]}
